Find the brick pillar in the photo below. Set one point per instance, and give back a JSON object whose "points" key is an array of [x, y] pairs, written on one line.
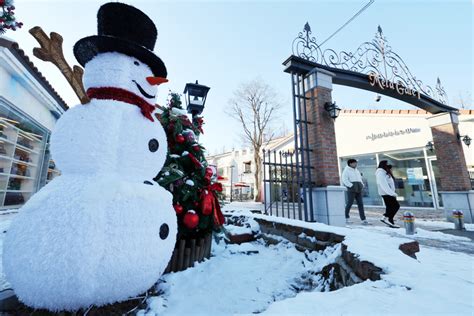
{"points": [[328, 195], [321, 131], [451, 161], [455, 184]]}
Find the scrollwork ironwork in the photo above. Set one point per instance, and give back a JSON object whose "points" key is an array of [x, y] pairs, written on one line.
{"points": [[374, 57], [305, 45]]}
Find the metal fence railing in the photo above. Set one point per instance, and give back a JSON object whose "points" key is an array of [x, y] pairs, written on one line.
{"points": [[286, 192]]}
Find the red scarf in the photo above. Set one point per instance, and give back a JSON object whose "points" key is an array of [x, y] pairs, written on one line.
{"points": [[118, 94]]}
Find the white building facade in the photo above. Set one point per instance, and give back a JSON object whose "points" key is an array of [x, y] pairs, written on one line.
{"points": [[29, 108], [236, 170], [237, 167], [403, 138]]}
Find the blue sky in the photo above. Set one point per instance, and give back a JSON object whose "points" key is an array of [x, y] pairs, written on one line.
{"points": [[225, 43]]}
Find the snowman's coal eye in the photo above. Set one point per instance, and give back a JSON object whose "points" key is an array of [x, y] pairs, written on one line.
{"points": [[136, 63], [153, 145], [164, 231]]}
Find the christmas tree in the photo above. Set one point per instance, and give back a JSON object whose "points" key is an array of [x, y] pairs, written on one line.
{"points": [[7, 17], [186, 173]]}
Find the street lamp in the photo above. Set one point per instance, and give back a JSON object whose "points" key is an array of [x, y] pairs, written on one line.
{"points": [[195, 95], [332, 109], [466, 139], [430, 146]]}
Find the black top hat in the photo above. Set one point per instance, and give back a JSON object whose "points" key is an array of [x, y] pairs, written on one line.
{"points": [[124, 29]]}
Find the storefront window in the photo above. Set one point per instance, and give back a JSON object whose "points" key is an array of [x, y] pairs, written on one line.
{"points": [[367, 165], [22, 148], [412, 182], [411, 178]]}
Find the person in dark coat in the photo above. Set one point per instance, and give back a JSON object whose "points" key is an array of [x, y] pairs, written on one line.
{"points": [[386, 189]]}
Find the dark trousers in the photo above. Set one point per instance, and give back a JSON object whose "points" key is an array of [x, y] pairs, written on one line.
{"points": [[391, 206], [350, 199]]}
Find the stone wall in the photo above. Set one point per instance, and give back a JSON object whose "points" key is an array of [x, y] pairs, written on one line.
{"points": [[350, 269]]}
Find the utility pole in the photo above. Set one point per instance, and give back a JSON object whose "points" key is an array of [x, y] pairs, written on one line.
{"points": [[231, 180]]}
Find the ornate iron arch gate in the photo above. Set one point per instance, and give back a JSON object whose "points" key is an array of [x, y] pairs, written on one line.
{"points": [[373, 66]]}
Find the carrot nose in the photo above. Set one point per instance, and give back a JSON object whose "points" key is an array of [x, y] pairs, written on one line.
{"points": [[156, 80]]}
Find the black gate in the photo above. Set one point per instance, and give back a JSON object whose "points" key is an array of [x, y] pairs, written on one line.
{"points": [[283, 193], [288, 188]]}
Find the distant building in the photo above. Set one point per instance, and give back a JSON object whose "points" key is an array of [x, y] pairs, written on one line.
{"points": [[235, 167], [29, 108], [241, 175]]}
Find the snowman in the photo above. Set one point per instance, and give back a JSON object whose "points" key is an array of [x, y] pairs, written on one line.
{"points": [[102, 232]]}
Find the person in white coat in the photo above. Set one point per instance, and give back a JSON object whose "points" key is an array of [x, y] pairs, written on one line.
{"points": [[386, 189], [352, 180]]}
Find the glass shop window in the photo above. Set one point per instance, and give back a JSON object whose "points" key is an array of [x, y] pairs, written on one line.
{"points": [[22, 149]]}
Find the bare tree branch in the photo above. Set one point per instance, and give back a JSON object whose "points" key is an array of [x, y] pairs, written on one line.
{"points": [[254, 105]]}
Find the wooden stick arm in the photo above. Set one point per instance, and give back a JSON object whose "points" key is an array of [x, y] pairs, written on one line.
{"points": [[51, 51]]}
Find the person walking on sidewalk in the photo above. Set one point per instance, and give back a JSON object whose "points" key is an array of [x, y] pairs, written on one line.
{"points": [[386, 188], [352, 180]]}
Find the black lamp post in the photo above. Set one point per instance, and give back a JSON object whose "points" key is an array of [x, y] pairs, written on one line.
{"points": [[195, 95], [231, 180], [332, 109]]}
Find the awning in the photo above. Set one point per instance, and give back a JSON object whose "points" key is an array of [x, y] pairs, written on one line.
{"points": [[241, 185]]}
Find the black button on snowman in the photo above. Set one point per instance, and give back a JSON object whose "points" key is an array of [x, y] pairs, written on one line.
{"points": [[100, 233], [153, 145]]}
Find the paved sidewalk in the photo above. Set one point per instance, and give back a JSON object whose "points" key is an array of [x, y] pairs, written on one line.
{"points": [[430, 226], [437, 215], [461, 233]]}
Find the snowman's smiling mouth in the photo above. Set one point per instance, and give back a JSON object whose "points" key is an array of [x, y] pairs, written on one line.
{"points": [[146, 95]]}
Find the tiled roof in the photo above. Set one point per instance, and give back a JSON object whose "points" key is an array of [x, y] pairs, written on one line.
{"points": [[25, 60], [410, 112], [277, 141]]}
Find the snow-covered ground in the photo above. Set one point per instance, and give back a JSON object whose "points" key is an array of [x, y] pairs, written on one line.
{"points": [[256, 278], [234, 282], [439, 282]]}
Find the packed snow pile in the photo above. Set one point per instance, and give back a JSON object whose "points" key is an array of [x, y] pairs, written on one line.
{"points": [[234, 282], [237, 225]]}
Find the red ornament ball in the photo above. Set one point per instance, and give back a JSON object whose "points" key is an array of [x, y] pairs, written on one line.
{"points": [[196, 148], [178, 208], [180, 139], [191, 220]]}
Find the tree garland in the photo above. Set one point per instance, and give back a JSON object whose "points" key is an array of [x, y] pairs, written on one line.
{"points": [[186, 173], [7, 17]]}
